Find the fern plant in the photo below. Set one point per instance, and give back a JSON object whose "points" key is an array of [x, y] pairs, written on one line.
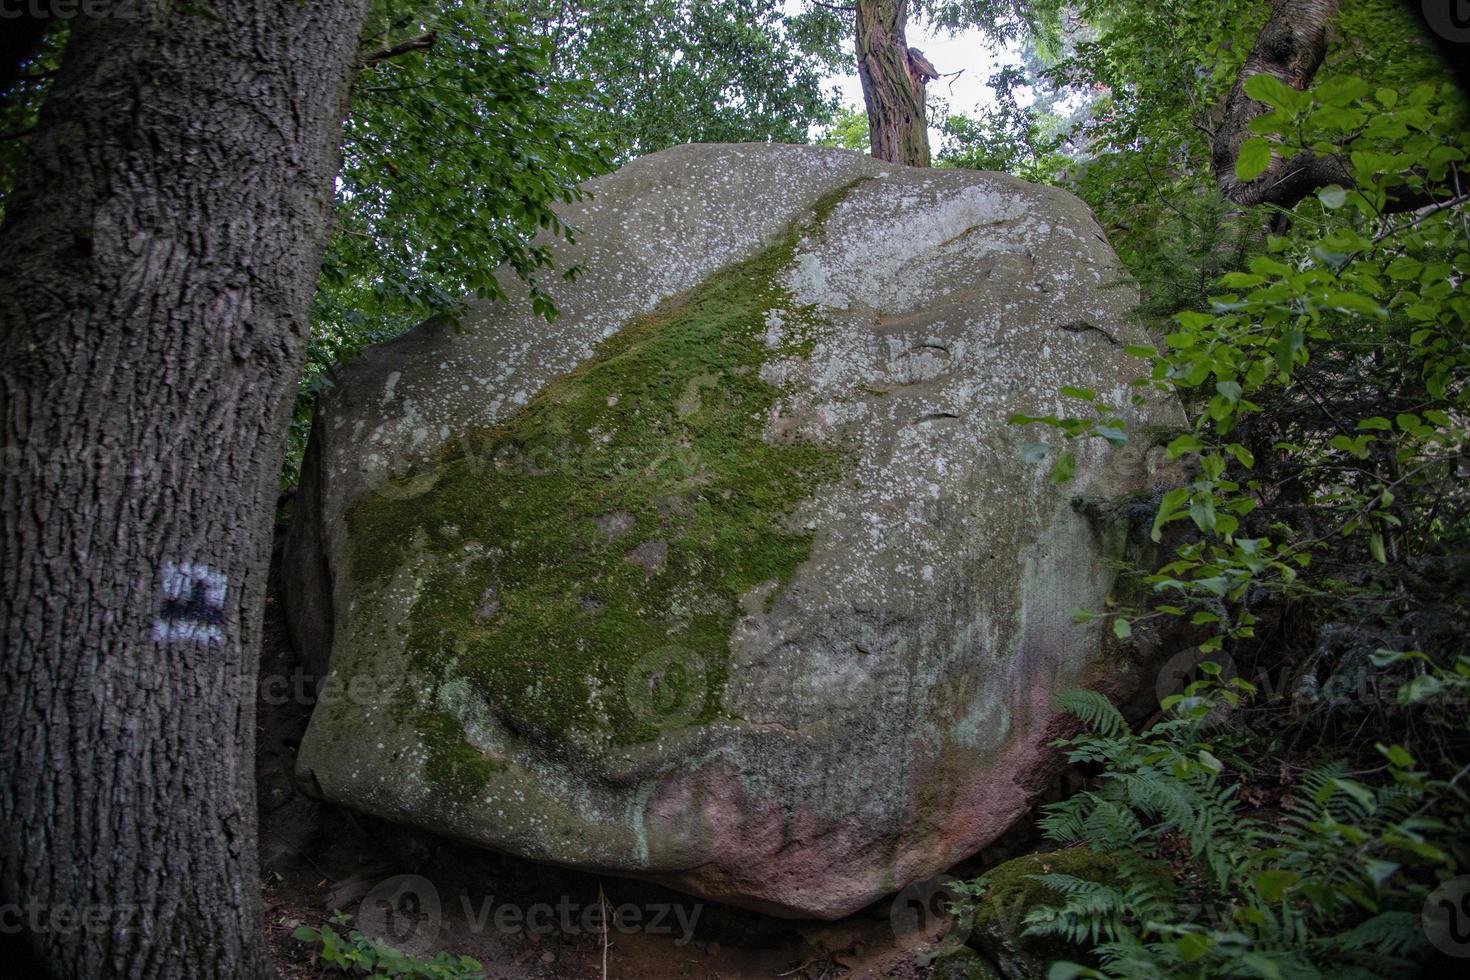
{"points": [[1332, 889]]}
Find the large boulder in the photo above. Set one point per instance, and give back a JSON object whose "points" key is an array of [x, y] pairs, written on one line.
{"points": [[733, 576]]}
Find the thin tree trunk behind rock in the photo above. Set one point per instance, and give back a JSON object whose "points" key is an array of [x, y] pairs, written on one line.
{"points": [[157, 263], [894, 93], [1290, 47]]}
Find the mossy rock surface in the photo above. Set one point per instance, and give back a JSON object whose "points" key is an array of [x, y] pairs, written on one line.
{"points": [[1013, 891], [733, 576], [963, 963], [610, 528]]}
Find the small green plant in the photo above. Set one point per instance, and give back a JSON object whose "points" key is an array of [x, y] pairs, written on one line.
{"points": [[361, 955]]}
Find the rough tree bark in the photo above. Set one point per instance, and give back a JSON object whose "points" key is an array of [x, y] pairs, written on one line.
{"points": [[1291, 47], [157, 263], [892, 88]]}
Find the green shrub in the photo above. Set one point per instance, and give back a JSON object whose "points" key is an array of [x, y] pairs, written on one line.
{"points": [[361, 955]]}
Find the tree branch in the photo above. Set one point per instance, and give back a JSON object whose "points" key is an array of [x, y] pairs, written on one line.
{"points": [[419, 43], [1423, 213]]}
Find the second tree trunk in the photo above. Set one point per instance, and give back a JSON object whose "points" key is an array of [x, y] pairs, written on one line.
{"points": [[893, 92]]}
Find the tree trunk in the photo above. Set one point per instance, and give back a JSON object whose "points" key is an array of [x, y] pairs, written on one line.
{"points": [[157, 264], [1291, 47], [893, 91]]}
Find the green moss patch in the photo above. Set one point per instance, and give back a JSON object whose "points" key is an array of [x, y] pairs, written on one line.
{"points": [[454, 765], [1012, 891], [963, 963], [589, 553]]}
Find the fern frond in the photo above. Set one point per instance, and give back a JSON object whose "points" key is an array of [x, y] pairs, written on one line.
{"points": [[1389, 933], [1111, 827], [1094, 710]]}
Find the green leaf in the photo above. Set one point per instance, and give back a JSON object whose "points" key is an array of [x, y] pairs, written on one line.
{"points": [[1379, 872], [1241, 280], [1034, 452], [1188, 443], [1332, 197], [1254, 158], [1341, 90], [1263, 965], [1404, 269], [1267, 123], [1193, 945], [1264, 265], [1273, 884], [1354, 303], [1286, 349], [1356, 790], [1420, 689], [1202, 512], [1212, 764], [1122, 629], [1382, 658], [1085, 394], [1242, 455], [1216, 585], [1272, 91], [1064, 468], [1168, 509]]}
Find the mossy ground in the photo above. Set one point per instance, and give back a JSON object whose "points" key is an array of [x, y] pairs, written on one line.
{"points": [[591, 551]]}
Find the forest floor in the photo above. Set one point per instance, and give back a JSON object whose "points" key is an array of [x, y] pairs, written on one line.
{"points": [[518, 918]]}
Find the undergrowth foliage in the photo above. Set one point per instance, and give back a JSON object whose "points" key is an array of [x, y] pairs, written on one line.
{"points": [[361, 955], [1332, 885], [1308, 795]]}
